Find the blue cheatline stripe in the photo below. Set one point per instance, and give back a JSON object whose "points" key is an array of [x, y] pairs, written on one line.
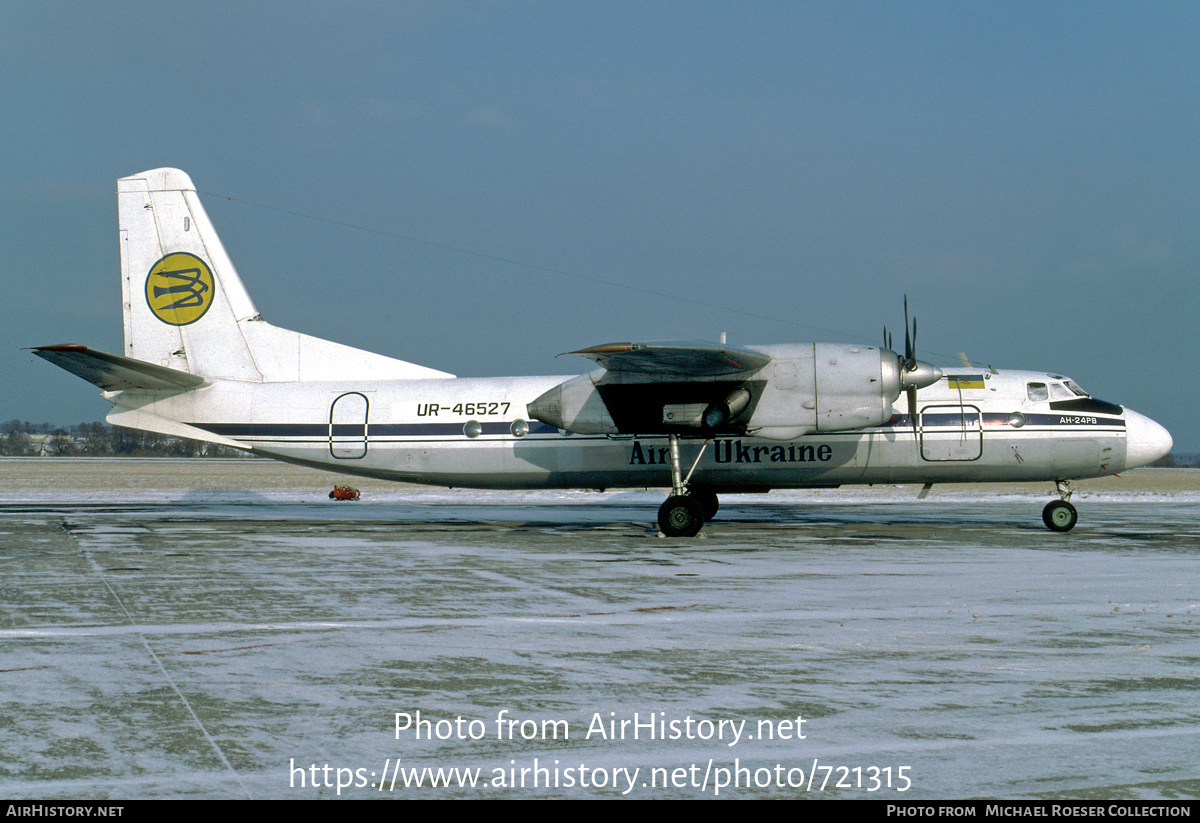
{"points": [[320, 431], [356, 429], [265, 429], [1063, 420]]}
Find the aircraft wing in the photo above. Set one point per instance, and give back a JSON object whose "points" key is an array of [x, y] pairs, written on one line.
{"points": [[653, 388], [112, 372], [677, 358]]}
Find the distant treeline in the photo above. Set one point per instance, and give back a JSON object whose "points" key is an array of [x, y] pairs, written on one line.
{"points": [[1178, 461], [22, 438]]}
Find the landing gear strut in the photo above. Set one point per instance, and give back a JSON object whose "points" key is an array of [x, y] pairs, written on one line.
{"points": [[684, 512], [1060, 515]]}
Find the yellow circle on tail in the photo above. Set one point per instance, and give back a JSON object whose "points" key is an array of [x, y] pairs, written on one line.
{"points": [[179, 288]]}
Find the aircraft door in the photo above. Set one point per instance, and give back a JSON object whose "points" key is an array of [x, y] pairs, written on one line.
{"points": [[348, 426], [951, 433]]}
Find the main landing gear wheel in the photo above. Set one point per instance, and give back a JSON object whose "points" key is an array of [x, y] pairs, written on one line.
{"points": [[681, 516], [708, 502], [1059, 516], [684, 512]]}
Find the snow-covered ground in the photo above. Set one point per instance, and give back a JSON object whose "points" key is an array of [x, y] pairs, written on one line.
{"points": [[159, 480], [222, 629]]}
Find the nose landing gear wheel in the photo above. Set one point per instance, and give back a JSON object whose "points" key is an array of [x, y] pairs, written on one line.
{"points": [[1059, 516], [681, 516]]}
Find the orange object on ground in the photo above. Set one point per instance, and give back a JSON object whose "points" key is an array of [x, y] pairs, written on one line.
{"points": [[343, 493]]}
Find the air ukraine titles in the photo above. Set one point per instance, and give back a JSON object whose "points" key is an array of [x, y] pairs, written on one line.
{"points": [[732, 451]]}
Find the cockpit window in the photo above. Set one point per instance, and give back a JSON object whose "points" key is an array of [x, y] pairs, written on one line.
{"points": [[1037, 392], [1073, 386], [1060, 392]]}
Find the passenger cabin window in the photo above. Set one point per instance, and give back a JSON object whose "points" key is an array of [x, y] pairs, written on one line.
{"points": [[1038, 392]]}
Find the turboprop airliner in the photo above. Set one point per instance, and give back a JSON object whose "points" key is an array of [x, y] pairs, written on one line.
{"points": [[698, 418]]}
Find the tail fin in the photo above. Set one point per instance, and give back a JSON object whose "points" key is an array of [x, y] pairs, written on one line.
{"points": [[186, 307]]}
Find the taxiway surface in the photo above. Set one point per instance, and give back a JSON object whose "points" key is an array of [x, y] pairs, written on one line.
{"points": [[221, 629]]}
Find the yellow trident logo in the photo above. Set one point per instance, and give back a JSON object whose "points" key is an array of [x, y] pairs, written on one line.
{"points": [[179, 288]]}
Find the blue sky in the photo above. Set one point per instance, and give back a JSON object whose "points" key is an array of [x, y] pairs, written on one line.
{"points": [[1028, 173]]}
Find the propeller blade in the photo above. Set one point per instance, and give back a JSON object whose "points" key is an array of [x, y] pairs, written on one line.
{"points": [[912, 407], [908, 351]]}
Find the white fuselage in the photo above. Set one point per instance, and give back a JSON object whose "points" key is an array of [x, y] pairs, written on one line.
{"points": [[698, 417], [466, 432]]}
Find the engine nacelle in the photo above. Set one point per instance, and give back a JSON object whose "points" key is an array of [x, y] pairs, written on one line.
{"points": [[825, 387], [856, 386], [575, 406], [819, 387]]}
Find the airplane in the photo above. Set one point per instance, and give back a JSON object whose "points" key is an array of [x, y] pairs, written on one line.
{"points": [[699, 418]]}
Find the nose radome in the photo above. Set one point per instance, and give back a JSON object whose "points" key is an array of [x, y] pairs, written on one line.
{"points": [[1145, 440]]}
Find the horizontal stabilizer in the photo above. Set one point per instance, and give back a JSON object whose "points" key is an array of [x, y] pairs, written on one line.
{"points": [[681, 358], [112, 372]]}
